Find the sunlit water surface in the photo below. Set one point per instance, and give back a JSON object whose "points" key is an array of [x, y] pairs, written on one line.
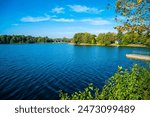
{"points": [[40, 71]]}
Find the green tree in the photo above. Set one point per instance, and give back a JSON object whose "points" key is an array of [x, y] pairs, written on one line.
{"points": [[100, 38], [84, 38], [77, 38], [127, 39], [136, 13], [66, 40], [119, 36], [92, 39], [106, 39]]}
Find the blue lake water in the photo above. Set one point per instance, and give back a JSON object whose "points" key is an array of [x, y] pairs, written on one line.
{"points": [[39, 71]]}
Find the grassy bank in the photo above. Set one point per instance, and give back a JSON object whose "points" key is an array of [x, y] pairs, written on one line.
{"points": [[111, 45], [131, 45]]}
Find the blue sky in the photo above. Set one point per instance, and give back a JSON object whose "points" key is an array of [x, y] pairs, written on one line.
{"points": [[55, 18]]}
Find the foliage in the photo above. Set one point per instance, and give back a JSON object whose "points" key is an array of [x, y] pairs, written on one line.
{"points": [[109, 38], [9, 39], [136, 15], [124, 85], [84, 38], [85, 95], [128, 85], [134, 38], [106, 39], [102, 39], [119, 36]]}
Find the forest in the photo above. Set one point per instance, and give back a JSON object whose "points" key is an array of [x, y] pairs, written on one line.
{"points": [[105, 39], [110, 38], [21, 39]]}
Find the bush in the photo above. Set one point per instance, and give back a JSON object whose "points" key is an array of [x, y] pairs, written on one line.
{"points": [[124, 85]]}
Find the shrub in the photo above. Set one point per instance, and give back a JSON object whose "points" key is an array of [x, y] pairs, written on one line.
{"points": [[131, 84]]}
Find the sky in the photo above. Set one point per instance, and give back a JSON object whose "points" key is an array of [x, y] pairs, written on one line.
{"points": [[55, 18]]}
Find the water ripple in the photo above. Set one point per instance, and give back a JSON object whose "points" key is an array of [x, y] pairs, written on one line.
{"points": [[40, 71]]}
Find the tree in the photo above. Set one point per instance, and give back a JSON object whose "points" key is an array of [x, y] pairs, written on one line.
{"points": [[10, 39], [66, 40], [93, 39], [111, 37], [100, 38], [106, 39], [84, 38], [136, 14], [128, 85], [127, 38], [77, 38], [119, 36]]}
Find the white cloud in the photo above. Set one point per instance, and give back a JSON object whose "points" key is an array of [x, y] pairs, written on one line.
{"points": [[58, 10], [85, 9], [35, 19], [96, 21], [92, 21], [63, 20]]}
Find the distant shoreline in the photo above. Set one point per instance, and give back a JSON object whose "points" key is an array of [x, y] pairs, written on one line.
{"points": [[86, 44], [112, 45]]}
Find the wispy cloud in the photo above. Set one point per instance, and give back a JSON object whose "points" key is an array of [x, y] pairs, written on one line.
{"points": [[96, 21], [63, 20], [84, 9], [58, 10], [91, 21], [35, 19]]}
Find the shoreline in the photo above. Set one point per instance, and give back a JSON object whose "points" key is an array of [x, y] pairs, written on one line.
{"points": [[86, 44], [112, 45]]}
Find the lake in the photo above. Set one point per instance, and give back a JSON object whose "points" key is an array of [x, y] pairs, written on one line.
{"points": [[40, 71]]}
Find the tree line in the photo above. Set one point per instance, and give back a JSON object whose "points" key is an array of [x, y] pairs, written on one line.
{"points": [[12, 39], [86, 38], [110, 38]]}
